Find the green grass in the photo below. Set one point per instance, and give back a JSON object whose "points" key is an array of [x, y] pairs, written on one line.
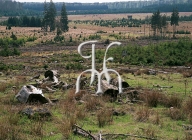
{"points": [[176, 80]]}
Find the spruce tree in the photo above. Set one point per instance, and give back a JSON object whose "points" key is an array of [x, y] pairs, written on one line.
{"points": [[156, 22], [49, 16], [164, 24], [174, 20], [64, 19], [52, 14], [45, 18]]}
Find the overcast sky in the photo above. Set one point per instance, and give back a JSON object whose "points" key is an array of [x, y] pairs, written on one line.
{"points": [[71, 1]]}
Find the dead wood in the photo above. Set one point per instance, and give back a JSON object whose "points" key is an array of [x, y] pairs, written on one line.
{"points": [[115, 82], [35, 77], [80, 131], [181, 67], [162, 86], [128, 135], [187, 127], [109, 90], [51, 73]]}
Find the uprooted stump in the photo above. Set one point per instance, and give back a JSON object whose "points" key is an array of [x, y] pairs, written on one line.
{"points": [[37, 98], [51, 75], [133, 95], [32, 112], [115, 82], [29, 94], [109, 90]]}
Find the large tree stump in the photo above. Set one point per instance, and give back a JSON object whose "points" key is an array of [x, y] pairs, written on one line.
{"points": [[109, 90]]}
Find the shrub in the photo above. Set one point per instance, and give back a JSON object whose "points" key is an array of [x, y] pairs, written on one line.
{"points": [[92, 103], [151, 98], [65, 127], [187, 108], [157, 118], [150, 132], [3, 66], [13, 36], [74, 66], [101, 32], [70, 39], [107, 41], [92, 37], [176, 114], [142, 114], [188, 136], [58, 38], [31, 39], [188, 105], [3, 87], [104, 116], [45, 66], [8, 27], [171, 101]]}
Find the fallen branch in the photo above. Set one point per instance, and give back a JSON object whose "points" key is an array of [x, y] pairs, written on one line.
{"points": [[162, 86], [130, 135], [187, 127], [83, 132]]}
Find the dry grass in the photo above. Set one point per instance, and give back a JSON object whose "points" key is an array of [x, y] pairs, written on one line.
{"points": [[156, 118], [188, 136], [104, 116], [86, 30], [71, 113], [171, 101], [176, 114], [3, 87], [187, 74], [65, 126], [93, 103], [118, 16], [142, 114], [187, 107], [150, 132], [151, 98]]}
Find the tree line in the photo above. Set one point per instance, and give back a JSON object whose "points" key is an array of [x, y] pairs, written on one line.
{"points": [[69, 7], [24, 21], [13, 8]]}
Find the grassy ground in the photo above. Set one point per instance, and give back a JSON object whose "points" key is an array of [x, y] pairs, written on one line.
{"points": [[140, 119], [159, 114]]}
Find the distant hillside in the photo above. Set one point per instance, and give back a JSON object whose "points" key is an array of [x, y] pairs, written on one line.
{"points": [[12, 8], [9, 7], [118, 7]]}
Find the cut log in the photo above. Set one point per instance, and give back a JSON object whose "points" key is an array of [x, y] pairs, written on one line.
{"points": [[115, 82], [109, 90]]}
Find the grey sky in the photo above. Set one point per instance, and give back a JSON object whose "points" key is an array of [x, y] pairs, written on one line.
{"points": [[71, 1]]}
